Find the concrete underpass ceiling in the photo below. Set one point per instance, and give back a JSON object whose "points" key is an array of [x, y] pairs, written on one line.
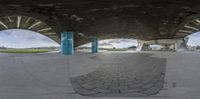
{"points": [[27, 23], [140, 19]]}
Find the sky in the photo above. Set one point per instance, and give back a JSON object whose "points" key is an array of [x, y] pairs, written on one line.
{"points": [[194, 39], [18, 38], [115, 43]]}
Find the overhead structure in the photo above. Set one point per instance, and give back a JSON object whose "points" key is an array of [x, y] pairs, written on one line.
{"points": [[140, 19], [71, 22], [177, 44], [28, 23]]}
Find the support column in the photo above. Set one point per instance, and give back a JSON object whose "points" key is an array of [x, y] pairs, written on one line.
{"points": [[174, 47], [94, 42], [181, 45], [67, 43], [140, 45]]}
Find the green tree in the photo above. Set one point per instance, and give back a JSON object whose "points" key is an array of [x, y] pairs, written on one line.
{"points": [[198, 47]]}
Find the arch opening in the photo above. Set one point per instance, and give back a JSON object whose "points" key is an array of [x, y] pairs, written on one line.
{"points": [[193, 41], [109, 45], [28, 23], [25, 41]]}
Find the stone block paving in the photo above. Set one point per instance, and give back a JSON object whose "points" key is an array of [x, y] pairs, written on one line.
{"points": [[128, 75]]}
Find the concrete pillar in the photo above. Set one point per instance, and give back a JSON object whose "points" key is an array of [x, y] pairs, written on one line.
{"points": [[94, 42], [67, 43], [181, 45], [174, 47], [145, 47], [140, 45]]}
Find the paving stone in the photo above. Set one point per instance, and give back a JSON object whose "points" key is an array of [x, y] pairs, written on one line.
{"points": [[86, 86], [117, 79], [131, 90], [147, 86], [123, 87], [85, 92], [102, 90]]}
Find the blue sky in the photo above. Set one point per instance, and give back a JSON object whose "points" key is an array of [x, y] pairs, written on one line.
{"points": [[17, 38]]}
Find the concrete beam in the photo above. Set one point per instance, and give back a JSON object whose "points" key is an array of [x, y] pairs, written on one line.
{"points": [[161, 41], [178, 44]]}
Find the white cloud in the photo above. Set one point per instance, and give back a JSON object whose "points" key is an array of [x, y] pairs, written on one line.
{"points": [[194, 39], [117, 43], [18, 38], [24, 38]]}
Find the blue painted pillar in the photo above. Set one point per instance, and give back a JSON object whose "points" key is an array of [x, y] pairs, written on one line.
{"points": [[94, 47], [67, 43]]}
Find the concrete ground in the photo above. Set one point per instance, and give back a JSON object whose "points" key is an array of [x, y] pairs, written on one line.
{"points": [[47, 76], [122, 74]]}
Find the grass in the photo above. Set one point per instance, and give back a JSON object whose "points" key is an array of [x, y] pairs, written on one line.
{"points": [[24, 51], [116, 49]]}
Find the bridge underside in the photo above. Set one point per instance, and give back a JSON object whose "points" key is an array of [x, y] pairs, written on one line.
{"points": [[132, 74], [140, 19]]}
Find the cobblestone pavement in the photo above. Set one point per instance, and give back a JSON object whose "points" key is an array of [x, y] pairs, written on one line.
{"points": [[142, 75]]}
